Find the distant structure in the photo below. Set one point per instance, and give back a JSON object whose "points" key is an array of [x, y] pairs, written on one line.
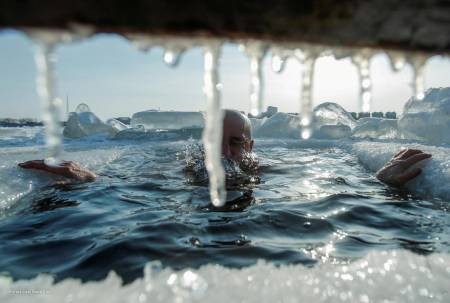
{"points": [[377, 115], [387, 115], [271, 110], [10, 122], [391, 115], [124, 120], [363, 115]]}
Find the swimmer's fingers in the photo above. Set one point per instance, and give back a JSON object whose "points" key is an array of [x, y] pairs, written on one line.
{"points": [[34, 164], [400, 153], [410, 175], [416, 158], [408, 153], [40, 165]]}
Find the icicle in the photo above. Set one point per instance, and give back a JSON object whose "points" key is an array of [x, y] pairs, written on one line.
{"points": [[418, 84], [51, 106], [279, 58], [308, 60], [256, 51], [212, 133], [397, 60], [46, 41], [172, 56], [362, 62], [278, 63]]}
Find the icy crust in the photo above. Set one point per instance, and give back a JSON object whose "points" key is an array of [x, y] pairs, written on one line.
{"points": [[428, 119], [435, 178], [396, 276]]}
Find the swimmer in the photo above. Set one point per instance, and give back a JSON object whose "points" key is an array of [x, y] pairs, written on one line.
{"points": [[237, 141]]}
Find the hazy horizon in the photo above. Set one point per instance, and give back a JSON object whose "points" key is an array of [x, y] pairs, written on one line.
{"points": [[115, 79]]}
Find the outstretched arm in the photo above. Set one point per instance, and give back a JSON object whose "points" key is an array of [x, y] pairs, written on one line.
{"points": [[68, 169], [398, 170]]}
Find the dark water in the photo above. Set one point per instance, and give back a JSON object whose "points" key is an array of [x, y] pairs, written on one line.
{"points": [[312, 205]]}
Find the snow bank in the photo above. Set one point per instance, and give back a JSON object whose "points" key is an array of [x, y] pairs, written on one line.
{"points": [[396, 276]]}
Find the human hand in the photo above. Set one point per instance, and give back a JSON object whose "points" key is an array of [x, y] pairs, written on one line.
{"points": [[398, 170], [66, 169]]}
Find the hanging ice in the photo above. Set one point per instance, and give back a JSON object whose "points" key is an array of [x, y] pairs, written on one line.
{"points": [[212, 134], [46, 42], [278, 63], [362, 62], [418, 65], [308, 58], [172, 56], [256, 51], [397, 60], [51, 106], [279, 58]]}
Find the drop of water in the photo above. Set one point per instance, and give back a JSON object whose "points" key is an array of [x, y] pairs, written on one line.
{"points": [[278, 63], [212, 133], [256, 51], [172, 57], [397, 60]]}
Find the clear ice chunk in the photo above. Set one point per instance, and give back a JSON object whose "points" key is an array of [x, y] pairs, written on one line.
{"points": [[375, 128], [427, 119], [330, 113], [85, 123], [332, 121]]}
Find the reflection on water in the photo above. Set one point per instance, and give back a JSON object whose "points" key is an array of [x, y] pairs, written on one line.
{"points": [[309, 206]]}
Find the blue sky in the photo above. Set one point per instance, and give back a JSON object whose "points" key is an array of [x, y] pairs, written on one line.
{"points": [[115, 79]]}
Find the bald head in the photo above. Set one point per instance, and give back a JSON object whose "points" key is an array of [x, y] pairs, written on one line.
{"points": [[237, 135], [234, 118]]}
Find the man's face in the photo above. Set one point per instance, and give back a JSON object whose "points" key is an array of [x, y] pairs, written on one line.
{"points": [[235, 143]]}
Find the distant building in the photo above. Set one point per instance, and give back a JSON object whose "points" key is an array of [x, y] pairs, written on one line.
{"points": [[271, 110], [363, 115], [377, 115], [391, 115]]}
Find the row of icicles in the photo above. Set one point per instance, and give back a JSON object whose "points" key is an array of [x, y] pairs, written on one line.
{"points": [[256, 51]]}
